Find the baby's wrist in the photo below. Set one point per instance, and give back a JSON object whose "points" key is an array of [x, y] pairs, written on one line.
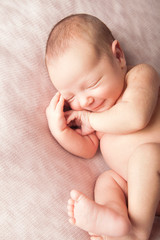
{"points": [[92, 117], [60, 136], [90, 114]]}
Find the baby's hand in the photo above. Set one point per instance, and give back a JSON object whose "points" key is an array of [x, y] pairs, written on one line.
{"points": [[81, 120], [55, 114]]}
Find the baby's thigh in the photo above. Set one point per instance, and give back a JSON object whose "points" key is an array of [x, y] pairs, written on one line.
{"points": [[116, 151]]}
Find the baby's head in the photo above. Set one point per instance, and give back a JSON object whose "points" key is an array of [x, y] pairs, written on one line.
{"points": [[80, 51], [78, 27]]}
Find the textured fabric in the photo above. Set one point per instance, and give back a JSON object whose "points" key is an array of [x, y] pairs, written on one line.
{"points": [[36, 174]]}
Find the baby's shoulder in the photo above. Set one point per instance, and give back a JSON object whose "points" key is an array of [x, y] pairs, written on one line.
{"points": [[139, 69], [142, 72]]}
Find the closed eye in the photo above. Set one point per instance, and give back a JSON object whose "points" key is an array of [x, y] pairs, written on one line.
{"points": [[70, 99], [94, 84]]}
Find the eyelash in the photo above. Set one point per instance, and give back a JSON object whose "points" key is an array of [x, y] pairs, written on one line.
{"points": [[94, 85], [90, 87], [70, 99]]}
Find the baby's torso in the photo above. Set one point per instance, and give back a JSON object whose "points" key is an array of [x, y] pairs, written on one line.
{"points": [[117, 149]]}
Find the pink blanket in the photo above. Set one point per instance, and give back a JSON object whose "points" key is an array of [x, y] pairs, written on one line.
{"points": [[36, 174]]}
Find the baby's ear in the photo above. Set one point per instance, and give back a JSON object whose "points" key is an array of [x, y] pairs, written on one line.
{"points": [[118, 52], [66, 106]]}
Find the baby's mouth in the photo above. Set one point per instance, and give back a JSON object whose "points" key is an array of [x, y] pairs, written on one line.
{"points": [[105, 105], [98, 108]]}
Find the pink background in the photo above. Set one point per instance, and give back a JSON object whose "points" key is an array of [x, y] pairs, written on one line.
{"points": [[36, 174]]}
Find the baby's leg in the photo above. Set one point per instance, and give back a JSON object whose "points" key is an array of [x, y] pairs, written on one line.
{"points": [[106, 217], [143, 188], [111, 190], [143, 191]]}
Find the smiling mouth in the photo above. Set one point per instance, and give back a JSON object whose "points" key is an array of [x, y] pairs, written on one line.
{"points": [[98, 107]]}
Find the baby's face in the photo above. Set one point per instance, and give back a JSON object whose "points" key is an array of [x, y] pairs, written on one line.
{"points": [[85, 81]]}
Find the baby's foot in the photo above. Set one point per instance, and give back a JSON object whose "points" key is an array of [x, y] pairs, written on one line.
{"points": [[93, 217], [96, 237]]}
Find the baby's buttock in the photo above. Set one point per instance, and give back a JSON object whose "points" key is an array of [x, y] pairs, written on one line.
{"points": [[117, 149]]}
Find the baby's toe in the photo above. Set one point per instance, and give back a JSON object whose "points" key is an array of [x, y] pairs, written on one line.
{"points": [[70, 211], [70, 201], [70, 214], [72, 220], [70, 207], [75, 195], [96, 238]]}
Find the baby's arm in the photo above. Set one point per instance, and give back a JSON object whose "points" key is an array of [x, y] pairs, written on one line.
{"points": [[133, 112], [71, 140]]}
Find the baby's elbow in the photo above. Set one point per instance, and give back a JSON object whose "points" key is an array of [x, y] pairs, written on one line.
{"points": [[140, 123], [90, 153], [89, 146]]}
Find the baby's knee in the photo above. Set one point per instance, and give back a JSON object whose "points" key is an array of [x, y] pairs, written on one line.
{"points": [[111, 178], [106, 176]]}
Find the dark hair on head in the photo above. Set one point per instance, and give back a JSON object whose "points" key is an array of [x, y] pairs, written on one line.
{"points": [[79, 26]]}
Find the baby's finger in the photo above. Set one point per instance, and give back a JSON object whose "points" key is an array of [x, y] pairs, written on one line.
{"points": [[54, 101], [71, 117], [68, 113], [60, 104]]}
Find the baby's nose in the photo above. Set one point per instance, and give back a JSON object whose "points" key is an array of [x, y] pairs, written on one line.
{"points": [[86, 101]]}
